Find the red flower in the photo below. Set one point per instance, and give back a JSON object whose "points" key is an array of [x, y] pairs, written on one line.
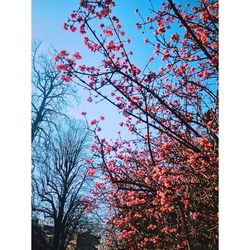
{"points": [[57, 58], [210, 124], [108, 32], [65, 26], [147, 181], [90, 172], [77, 56], [100, 186], [160, 30], [72, 28], [63, 53], [73, 15], [90, 99]]}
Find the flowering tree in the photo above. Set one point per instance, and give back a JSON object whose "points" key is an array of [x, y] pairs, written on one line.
{"points": [[162, 186]]}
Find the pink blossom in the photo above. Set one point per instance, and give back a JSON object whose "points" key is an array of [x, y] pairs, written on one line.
{"points": [[90, 172], [210, 124], [91, 84], [108, 32], [73, 15], [100, 186], [72, 28], [147, 181], [61, 67], [57, 57], [196, 215], [63, 53], [93, 122], [77, 56], [65, 26], [90, 99], [66, 78], [160, 30]]}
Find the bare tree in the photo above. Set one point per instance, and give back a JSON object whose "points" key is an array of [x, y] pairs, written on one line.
{"points": [[58, 183], [49, 93]]}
